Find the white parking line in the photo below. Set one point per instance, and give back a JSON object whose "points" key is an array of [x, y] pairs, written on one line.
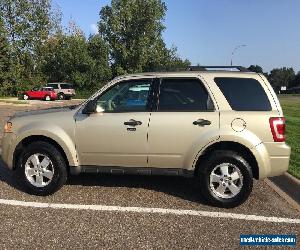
{"points": [[150, 211]]}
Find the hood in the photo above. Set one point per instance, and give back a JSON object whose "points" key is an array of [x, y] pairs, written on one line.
{"points": [[44, 111]]}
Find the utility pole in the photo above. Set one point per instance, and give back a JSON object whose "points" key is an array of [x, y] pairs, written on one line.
{"points": [[235, 49]]}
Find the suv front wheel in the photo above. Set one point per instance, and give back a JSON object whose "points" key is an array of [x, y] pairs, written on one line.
{"points": [[41, 169], [225, 179]]}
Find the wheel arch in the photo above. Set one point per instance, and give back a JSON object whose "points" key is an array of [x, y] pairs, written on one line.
{"points": [[237, 147], [34, 138]]}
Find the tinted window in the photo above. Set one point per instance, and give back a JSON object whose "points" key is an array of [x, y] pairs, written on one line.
{"points": [[129, 96], [53, 85], [183, 95], [66, 86], [47, 88], [244, 94]]}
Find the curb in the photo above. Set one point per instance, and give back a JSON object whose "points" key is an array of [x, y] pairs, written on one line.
{"points": [[287, 187], [292, 178]]}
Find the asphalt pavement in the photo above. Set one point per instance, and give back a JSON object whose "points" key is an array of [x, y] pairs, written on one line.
{"points": [[128, 213]]}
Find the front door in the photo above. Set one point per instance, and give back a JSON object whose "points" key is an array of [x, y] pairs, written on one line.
{"points": [[117, 134], [34, 93], [184, 116]]}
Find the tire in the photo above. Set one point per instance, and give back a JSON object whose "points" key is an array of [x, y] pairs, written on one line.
{"points": [[47, 98], [61, 96], [25, 97], [53, 162], [213, 179]]}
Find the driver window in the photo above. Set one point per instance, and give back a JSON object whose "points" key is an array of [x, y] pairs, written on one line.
{"points": [[129, 96]]}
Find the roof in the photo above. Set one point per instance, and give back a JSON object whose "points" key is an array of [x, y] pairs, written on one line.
{"points": [[187, 73]]}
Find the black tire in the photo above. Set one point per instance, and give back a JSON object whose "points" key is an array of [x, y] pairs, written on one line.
{"points": [[61, 96], [59, 165], [208, 165]]}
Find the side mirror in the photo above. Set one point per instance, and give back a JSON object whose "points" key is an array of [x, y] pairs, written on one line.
{"points": [[90, 107]]}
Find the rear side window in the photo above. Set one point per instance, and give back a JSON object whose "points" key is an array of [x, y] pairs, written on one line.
{"points": [[53, 85], [66, 86], [47, 89], [183, 95], [244, 94]]}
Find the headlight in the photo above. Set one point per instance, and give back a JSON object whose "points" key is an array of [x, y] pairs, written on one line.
{"points": [[8, 127]]}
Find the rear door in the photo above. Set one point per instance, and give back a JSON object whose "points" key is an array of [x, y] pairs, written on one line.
{"points": [[182, 118]]}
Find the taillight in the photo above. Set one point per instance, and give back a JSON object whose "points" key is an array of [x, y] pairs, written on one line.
{"points": [[277, 125]]}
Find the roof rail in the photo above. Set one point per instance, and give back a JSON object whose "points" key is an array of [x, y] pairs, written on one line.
{"points": [[205, 68]]}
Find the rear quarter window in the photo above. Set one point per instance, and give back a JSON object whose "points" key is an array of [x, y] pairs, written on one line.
{"points": [[244, 94]]}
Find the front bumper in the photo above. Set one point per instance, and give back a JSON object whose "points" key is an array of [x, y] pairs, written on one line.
{"points": [[8, 148], [272, 158]]}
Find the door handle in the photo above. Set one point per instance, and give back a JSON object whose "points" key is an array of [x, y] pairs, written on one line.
{"points": [[133, 123], [202, 122]]}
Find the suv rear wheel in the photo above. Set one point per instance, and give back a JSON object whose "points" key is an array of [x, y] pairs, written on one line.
{"points": [[61, 96], [225, 179], [41, 169]]}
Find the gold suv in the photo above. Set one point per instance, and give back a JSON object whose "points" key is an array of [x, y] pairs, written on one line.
{"points": [[222, 127]]}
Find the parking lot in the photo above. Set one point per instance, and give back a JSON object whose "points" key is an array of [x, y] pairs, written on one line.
{"points": [[116, 212]]}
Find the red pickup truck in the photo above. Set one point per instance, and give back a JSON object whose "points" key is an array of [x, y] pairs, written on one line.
{"points": [[44, 93]]}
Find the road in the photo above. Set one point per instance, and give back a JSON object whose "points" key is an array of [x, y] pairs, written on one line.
{"points": [[119, 216]]}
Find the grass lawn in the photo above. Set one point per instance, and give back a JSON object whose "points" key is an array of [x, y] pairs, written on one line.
{"points": [[291, 110]]}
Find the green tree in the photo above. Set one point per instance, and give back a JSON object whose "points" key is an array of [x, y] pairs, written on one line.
{"points": [[100, 69], [281, 77], [133, 31], [5, 86], [296, 81], [256, 68], [72, 58], [66, 59], [27, 23]]}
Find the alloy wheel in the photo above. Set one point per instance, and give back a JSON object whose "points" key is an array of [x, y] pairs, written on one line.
{"points": [[226, 180], [39, 170]]}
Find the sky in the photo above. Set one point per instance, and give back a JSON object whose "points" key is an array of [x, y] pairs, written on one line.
{"points": [[206, 32]]}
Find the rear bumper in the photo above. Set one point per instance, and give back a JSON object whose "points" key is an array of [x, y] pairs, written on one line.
{"points": [[272, 158]]}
